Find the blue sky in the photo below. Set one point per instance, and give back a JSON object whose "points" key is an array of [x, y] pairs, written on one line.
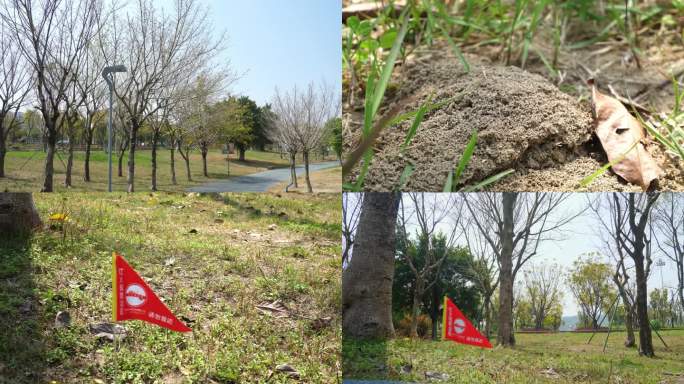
{"points": [[280, 43]]}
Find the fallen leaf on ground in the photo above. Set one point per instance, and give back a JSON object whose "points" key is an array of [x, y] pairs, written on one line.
{"points": [[550, 372], [276, 309], [320, 323], [436, 376], [288, 370], [623, 137], [63, 319], [108, 331]]}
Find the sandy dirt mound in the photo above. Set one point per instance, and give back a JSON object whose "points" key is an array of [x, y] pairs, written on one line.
{"points": [[524, 122]]}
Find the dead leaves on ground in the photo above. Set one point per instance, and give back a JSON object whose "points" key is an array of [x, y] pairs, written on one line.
{"points": [[623, 138], [276, 309]]}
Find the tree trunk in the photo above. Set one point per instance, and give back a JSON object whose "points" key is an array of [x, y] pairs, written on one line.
{"points": [[120, 160], [205, 151], [487, 315], [18, 214], [241, 149], [3, 150], [155, 138], [306, 171], [418, 290], [131, 157], [435, 310], [293, 169], [187, 167], [173, 163], [367, 280], [645, 338], [70, 163], [86, 165], [629, 311], [49, 159], [505, 335]]}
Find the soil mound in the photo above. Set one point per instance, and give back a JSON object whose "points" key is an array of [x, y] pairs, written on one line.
{"points": [[523, 122]]}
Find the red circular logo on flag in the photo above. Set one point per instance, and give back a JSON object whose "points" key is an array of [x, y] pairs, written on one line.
{"points": [[135, 295], [459, 326]]}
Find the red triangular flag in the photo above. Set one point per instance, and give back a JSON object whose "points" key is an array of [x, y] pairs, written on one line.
{"points": [[456, 327], [134, 299]]}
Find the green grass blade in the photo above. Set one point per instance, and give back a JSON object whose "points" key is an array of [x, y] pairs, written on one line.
{"points": [[408, 170], [488, 181], [416, 122], [465, 158], [454, 176], [589, 179], [456, 50], [379, 91], [448, 186], [599, 37]]}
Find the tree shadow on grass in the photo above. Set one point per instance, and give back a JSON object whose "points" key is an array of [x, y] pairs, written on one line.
{"points": [[22, 347], [294, 223], [365, 359], [258, 164]]}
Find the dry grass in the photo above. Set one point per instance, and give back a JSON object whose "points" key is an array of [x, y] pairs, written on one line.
{"points": [[328, 181]]}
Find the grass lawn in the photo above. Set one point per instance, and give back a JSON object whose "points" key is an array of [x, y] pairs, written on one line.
{"points": [[211, 258], [327, 180], [24, 170], [537, 358]]}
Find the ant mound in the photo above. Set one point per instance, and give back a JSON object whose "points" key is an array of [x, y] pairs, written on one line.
{"points": [[523, 122]]}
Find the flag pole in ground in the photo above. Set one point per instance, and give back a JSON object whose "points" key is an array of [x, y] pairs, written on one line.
{"points": [[114, 321]]}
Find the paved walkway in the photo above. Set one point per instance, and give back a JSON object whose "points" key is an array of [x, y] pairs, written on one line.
{"points": [[372, 382], [260, 181]]}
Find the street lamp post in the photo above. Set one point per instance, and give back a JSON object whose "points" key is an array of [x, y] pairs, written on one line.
{"points": [[661, 263], [108, 74]]}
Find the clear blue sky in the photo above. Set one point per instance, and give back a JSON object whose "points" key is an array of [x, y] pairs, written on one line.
{"points": [[280, 43]]}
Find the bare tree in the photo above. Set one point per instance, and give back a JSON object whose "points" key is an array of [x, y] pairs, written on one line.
{"points": [[69, 119], [52, 35], [430, 210], [93, 93], [351, 210], [625, 217], [159, 50], [513, 225], [669, 220], [301, 123], [318, 106], [484, 272], [367, 280], [281, 129], [15, 82]]}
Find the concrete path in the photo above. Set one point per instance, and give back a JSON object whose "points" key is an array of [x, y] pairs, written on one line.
{"points": [[372, 382], [260, 181]]}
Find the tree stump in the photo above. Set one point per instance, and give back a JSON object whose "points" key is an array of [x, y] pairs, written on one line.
{"points": [[18, 214]]}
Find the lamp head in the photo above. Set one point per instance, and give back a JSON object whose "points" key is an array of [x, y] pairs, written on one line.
{"points": [[113, 69]]}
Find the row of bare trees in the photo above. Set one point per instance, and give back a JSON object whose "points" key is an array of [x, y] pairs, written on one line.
{"points": [[54, 51], [503, 232], [299, 122]]}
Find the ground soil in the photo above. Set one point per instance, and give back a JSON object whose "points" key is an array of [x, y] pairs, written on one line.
{"points": [[524, 122]]}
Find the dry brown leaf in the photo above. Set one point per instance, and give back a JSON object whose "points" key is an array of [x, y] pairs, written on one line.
{"points": [[618, 132], [276, 309]]}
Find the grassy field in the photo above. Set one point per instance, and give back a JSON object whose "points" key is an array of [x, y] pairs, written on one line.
{"points": [[327, 180], [24, 170], [537, 358], [212, 258]]}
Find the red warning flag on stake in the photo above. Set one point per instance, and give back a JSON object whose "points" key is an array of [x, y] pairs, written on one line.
{"points": [[456, 327], [133, 299]]}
